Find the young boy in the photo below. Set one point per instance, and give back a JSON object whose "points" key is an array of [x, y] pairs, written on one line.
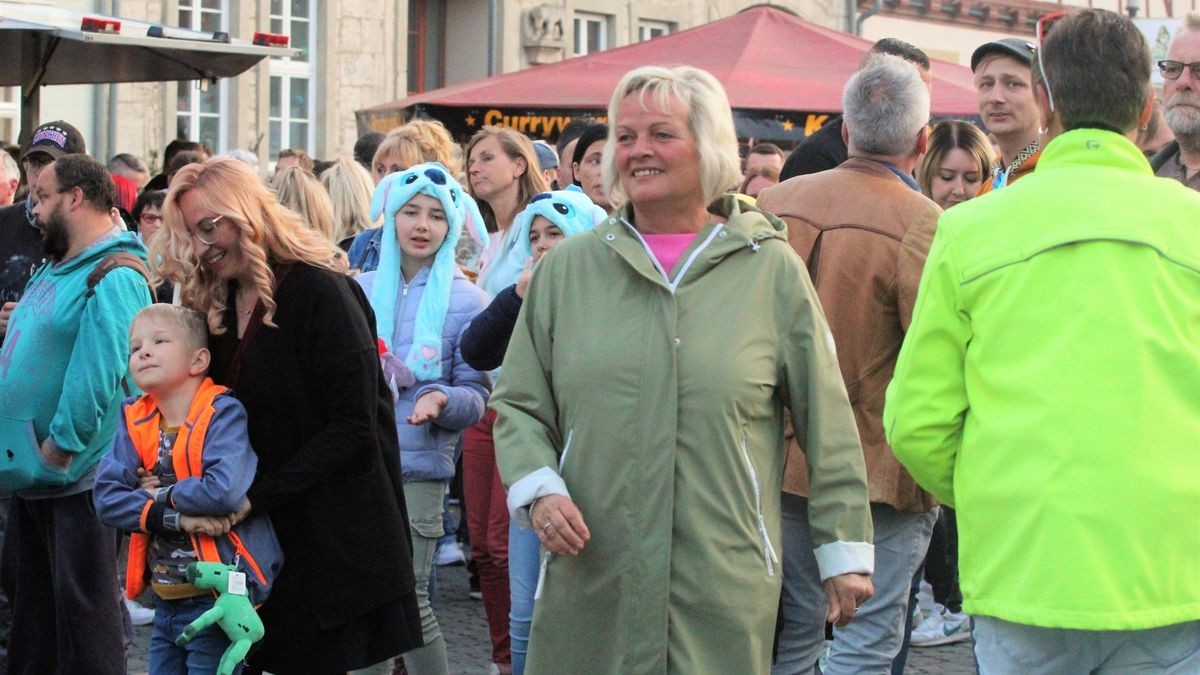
{"points": [[178, 472]]}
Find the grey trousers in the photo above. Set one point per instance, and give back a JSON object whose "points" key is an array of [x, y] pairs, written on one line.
{"points": [[872, 640], [1004, 648]]}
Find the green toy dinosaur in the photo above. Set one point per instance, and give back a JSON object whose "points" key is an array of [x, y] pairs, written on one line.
{"points": [[233, 612]]}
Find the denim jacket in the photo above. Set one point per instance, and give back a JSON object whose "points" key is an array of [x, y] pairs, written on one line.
{"points": [[364, 250], [427, 450]]}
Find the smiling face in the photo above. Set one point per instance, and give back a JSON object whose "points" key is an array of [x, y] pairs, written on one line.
{"points": [[421, 228], [224, 256], [956, 180], [161, 358], [590, 176], [1181, 97], [543, 236], [1006, 103], [490, 171], [657, 158]]}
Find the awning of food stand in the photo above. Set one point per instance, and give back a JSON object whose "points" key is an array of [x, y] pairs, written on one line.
{"points": [[783, 75]]}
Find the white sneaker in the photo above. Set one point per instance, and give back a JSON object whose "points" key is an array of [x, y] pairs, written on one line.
{"points": [[138, 615], [449, 554], [942, 628]]}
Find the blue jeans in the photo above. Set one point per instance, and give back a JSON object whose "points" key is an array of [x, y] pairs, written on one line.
{"points": [[1004, 648], [524, 558], [873, 639], [202, 654]]}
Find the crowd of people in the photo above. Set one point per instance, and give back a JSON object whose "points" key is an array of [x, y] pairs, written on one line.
{"points": [[906, 386]]}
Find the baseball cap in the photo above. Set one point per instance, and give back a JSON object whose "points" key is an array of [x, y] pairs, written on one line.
{"points": [[547, 158], [55, 139], [1018, 48]]}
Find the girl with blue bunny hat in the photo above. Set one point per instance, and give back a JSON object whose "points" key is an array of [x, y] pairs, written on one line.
{"points": [[422, 304], [549, 218]]}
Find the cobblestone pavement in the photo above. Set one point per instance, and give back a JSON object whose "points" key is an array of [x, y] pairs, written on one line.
{"points": [[465, 630]]}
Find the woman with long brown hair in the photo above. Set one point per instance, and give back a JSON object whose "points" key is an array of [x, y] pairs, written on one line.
{"points": [[294, 337], [502, 176]]}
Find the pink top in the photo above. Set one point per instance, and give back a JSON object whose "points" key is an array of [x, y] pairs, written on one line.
{"points": [[668, 248]]}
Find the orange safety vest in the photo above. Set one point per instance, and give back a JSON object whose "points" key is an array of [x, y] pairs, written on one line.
{"points": [[143, 421]]}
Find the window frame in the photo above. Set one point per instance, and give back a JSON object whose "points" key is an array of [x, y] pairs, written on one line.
{"points": [[193, 114], [287, 69], [579, 24]]}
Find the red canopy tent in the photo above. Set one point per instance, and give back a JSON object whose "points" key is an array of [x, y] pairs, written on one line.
{"points": [[783, 75]]}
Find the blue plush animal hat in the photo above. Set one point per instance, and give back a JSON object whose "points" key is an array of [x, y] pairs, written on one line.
{"points": [[393, 192], [570, 210]]}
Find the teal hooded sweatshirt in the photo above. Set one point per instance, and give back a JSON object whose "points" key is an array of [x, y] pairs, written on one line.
{"points": [[65, 355]]}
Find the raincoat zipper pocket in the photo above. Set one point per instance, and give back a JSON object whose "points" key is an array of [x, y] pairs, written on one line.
{"points": [[546, 555], [769, 556]]}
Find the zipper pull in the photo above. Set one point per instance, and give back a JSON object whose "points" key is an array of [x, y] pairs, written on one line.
{"points": [[404, 291]]}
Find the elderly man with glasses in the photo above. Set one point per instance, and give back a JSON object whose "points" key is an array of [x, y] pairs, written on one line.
{"points": [[1180, 159]]}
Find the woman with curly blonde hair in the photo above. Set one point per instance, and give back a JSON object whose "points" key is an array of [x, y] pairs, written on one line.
{"points": [[295, 337], [417, 141]]}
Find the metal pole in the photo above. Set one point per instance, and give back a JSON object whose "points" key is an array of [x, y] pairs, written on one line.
{"points": [[31, 89]]}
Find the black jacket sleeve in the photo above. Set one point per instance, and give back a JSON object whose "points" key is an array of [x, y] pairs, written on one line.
{"points": [[484, 342], [822, 151]]}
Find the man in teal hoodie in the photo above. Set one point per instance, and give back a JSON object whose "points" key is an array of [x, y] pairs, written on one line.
{"points": [[1049, 384], [63, 368]]}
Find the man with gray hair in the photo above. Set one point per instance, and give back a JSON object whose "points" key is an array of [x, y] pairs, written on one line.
{"points": [[863, 229], [1180, 159]]}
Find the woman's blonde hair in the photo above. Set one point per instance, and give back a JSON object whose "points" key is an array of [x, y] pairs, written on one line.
{"points": [[298, 190], [350, 190], [518, 147], [709, 119], [268, 234], [421, 140], [947, 136]]}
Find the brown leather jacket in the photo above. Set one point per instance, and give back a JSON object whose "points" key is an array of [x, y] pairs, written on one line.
{"points": [[864, 235]]}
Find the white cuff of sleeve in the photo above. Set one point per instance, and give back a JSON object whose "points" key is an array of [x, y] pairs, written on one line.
{"points": [[845, 557], [544, 481]]}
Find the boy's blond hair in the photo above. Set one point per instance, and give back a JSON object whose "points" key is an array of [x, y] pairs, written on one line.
{"points": [[192, 323]]}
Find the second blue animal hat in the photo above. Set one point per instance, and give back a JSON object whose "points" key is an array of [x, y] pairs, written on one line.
{"points": [[570, 210]]}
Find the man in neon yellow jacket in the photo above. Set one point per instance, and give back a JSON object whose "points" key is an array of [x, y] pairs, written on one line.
{"points": [[1049, 386]]}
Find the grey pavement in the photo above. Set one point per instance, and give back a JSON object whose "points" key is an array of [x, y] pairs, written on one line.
{"points": [[469, 650]]}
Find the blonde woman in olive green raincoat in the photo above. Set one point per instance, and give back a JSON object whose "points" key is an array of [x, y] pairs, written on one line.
{"points": [[641, 410]]}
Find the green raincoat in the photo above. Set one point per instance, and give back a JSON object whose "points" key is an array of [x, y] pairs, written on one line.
{"points": [[659, 407]]}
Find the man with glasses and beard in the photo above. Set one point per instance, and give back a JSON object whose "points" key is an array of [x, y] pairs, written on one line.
{"points": [[1180, 159], [1048, 387], [62, 373]]}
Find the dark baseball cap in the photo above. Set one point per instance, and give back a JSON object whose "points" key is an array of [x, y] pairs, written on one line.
{"points": [[1018, 48], [55, 139]]}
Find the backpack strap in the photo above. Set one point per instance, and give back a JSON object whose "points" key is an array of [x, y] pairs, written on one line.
{"points": [[111, 262]]}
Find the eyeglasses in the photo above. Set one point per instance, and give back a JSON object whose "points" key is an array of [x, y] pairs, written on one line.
{"points": [[1171, 70], [206, 230], [1043, 27]]}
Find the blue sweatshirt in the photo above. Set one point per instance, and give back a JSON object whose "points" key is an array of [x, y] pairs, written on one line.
{"points": [[65, 355], [427, 450]]}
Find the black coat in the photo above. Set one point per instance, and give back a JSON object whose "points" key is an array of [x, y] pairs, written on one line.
{"points": [[485, 340], [321, 421], [822, 151]]}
